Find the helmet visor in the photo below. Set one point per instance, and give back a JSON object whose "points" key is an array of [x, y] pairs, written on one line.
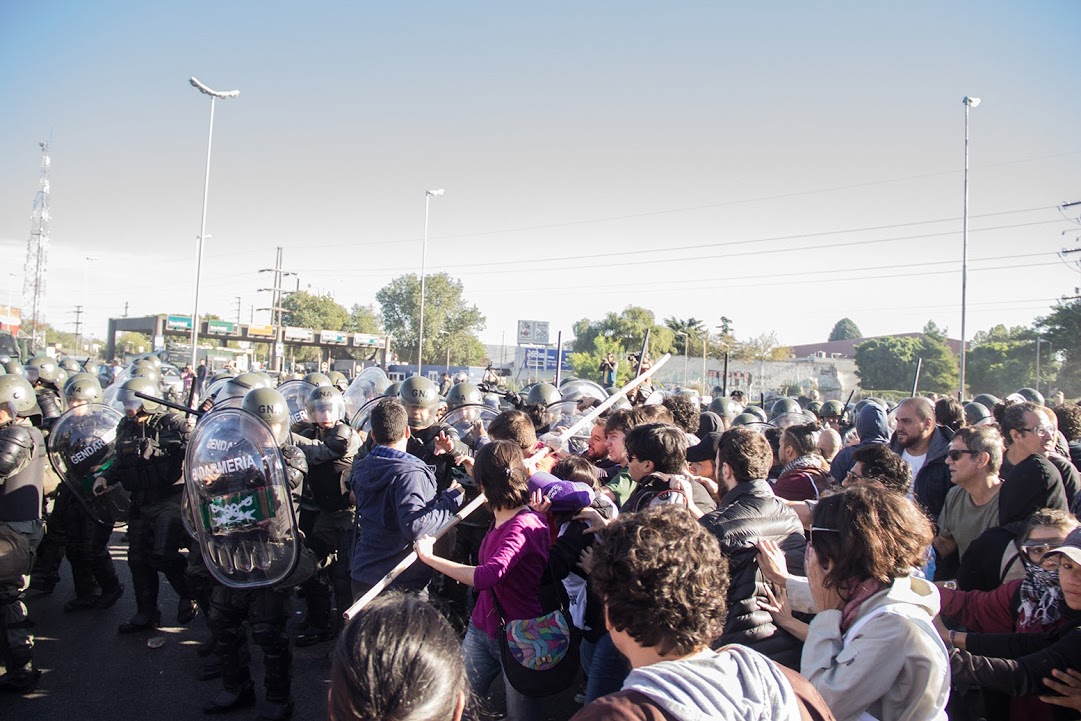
{"points": [[328, 410]]}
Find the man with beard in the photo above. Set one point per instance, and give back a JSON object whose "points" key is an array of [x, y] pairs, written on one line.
{"points": [[923, 445]]}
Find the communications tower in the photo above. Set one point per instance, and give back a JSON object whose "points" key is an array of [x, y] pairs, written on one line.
{"points": [[35, 270]]}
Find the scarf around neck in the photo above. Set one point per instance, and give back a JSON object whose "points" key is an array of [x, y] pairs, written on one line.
{"points": [[1041, 597]]}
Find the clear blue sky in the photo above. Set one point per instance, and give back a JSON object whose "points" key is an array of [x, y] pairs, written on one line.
{"points": [[699, 159]]}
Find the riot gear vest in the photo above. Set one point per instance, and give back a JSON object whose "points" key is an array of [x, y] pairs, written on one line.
{"points": [[330, 461], [22, 455], [150, 457]]}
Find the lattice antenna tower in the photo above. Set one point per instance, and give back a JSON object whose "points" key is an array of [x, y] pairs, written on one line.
{"points": [[35, 270]]}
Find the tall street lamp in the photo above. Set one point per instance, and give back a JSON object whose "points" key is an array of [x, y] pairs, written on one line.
{"points": [[214, 95], [428, 195], [969, 104], [686, 354]]}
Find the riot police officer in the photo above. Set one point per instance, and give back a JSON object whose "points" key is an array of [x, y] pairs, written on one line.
{"points": [[150, 447], [22, 473], [43, 374], [434, 443], [329, 444], [264, 607]]}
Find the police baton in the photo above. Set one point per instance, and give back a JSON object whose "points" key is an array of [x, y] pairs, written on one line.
{"points": [[169, 404]]}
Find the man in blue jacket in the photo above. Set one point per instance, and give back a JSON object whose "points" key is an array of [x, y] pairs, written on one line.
{"points": [[397, 503], [872, 426]]}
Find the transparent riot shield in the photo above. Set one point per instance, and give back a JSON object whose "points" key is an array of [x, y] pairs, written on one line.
{"points": [[361, 421], [240, 500], [296, 396], [370, 384], [81, 445], [471, 421]]}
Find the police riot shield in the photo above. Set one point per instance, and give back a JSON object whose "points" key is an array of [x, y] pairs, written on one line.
{"points": [[371, 383], [235, 478], [81, 445], [296, 397], [211, 391], [361, 422], [468, 420], [785, 420]]}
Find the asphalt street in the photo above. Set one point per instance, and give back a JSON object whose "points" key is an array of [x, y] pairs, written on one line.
{"points": [[90, 672]]}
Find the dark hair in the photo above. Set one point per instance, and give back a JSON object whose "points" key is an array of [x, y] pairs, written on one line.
{"points": [[389, 421], [399, 660], [1054, 517], [984, 439], [883, 465], [501, 474], [619, 421], [685, 412], [873, 533], [1010, 416], [650, 414], [1069, 421], [665, 445], [950, 413], [663, 579], [747, 453], [579, 470], [772, 434], [514, 426], [804, 438]]}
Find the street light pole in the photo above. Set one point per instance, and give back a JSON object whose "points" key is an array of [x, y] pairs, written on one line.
{"points": [[214, 95], [686, 354], [428, 194], [969, 104], [1038, 340]]}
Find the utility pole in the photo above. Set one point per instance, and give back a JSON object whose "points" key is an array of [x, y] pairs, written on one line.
{"points": [[125, 309], [35, 270], [237, 309], [78, 328], [276, 309]]}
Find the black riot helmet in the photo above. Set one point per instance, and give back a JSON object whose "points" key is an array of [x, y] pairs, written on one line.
{"points": [[420, 397], [338, 380], [42, 368], [1031, 395], [392, 390], [133, 403], [145, 371], [83, 388], [986, 400], [270, 406], [463, 394], [813, 408], [18, 396], [239, 386], [325, 405], [832, 409], [758, 411], [725, 407], [976, 414], [784, 405], [543, 394], [745, 419], [70, 365], [319, 379]]}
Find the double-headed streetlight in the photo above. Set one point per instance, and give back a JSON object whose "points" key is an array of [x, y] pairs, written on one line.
{"points": [[969, 104], [214, 95], [428, 195]]}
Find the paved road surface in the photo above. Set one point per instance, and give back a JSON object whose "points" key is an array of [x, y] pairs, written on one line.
{"points": [[91, 672]]}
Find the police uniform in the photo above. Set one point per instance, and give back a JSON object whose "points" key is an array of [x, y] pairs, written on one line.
{"points": [[149, 459], [22, 474]]}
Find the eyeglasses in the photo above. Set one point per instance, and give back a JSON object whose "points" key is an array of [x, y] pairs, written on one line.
{"points": [[1043, 430], [1037, 550], [820, 529], [955, 454]]}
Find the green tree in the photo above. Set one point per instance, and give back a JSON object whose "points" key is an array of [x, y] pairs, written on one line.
{"points": [[1003, 359], [939, 372], [450, 323], [628, 329], [364, 319], [845, 329], [318, 312], [764, 347], [886, 363], [1062, 327], [684, 331], [587, 364]]}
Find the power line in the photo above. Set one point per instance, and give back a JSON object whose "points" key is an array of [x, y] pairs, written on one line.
{"points": [[465, 267]]}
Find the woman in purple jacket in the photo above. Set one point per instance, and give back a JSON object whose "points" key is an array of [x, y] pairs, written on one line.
{"points": [[512, 557]]}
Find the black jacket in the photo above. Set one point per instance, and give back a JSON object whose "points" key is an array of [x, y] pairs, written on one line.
{"points": [[747, 514], [932, 483]]}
